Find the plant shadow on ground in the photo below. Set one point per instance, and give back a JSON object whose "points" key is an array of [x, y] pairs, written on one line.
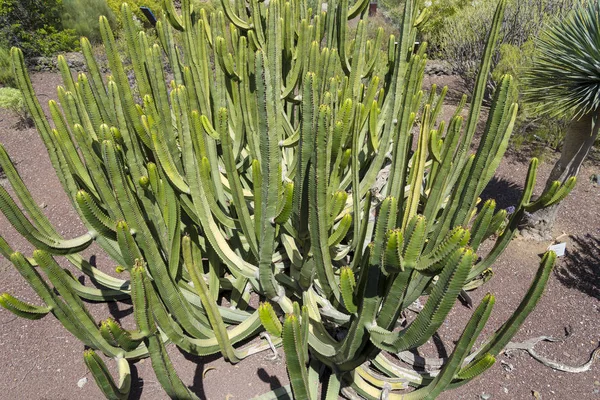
{"points": [[201, 362], [198, 385], [503, 191], [441, 352], [118, 310], [137, 383], [581, 269], [272, 380]]}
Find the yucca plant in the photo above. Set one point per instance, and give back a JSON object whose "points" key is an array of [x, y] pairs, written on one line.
{"points": [[563, 82], [253, 171]]}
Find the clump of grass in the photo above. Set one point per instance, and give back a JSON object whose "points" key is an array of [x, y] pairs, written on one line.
{"points": [[13, 100]]}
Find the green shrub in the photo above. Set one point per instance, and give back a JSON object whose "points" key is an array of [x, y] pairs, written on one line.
{"points": [[463, 35], [13, 100], [208, 5], [48, 41], [6, 74], [531, 127], [154, 5], [82, 17], [462, 41], [439, 12], [35, 26]]}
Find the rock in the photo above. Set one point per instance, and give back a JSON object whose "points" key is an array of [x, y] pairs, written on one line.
{"points": [[75, 61], [438, 67], [507, 366], [41, 63], [82, 382]]}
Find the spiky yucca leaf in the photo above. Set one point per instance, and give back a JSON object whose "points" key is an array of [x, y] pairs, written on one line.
{"points": [[564, 79]]}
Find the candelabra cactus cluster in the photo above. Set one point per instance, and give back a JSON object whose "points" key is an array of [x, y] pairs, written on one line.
{"points": [[252, 171]]}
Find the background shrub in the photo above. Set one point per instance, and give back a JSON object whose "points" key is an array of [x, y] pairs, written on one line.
{"points": [[456, 31], [35, 26], [439, 11], [154, 5], [461, 38], [208, 5], [461, 42], [6, 73], [12, 99], [82, 17]]}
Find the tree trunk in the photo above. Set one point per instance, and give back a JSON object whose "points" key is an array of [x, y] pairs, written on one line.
{"points": [[580, 138]]}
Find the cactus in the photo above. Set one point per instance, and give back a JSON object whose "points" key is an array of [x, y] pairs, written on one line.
{"points": [[252, 170]]}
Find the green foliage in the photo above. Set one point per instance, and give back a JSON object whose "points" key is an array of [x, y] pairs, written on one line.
{"points": [[208, 5], [258, 168], [32, 14], [532, 127], [81, 16], [6, 73], [462, 40], [463, 36], [563, 79], [47, 41], [439, 12], [12, 99], [154, 5], [35, 27]]}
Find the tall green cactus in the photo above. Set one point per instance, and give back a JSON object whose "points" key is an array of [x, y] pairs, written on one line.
{"points": [[252, 171]]}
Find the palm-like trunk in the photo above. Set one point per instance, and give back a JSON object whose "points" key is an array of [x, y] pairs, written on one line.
{"points": [[580, 138]]}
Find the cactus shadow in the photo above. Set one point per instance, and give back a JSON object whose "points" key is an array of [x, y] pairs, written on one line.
{"points": [[581, 267], [201, 362], [137, 383], [506, 193], [117, 313], [272, 380], [439, 345], [440, 350]]}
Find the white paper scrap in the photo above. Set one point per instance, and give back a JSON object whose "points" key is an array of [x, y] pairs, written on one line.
{"points": [[558, 248]]}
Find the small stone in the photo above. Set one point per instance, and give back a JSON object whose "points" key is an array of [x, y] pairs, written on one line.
{"points": [[485, 396], [82, 382], [596, 383], [505, 390], [508, 367]]}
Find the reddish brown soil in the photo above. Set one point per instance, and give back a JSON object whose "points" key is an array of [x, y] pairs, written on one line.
{"points": [[41, 360]]}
